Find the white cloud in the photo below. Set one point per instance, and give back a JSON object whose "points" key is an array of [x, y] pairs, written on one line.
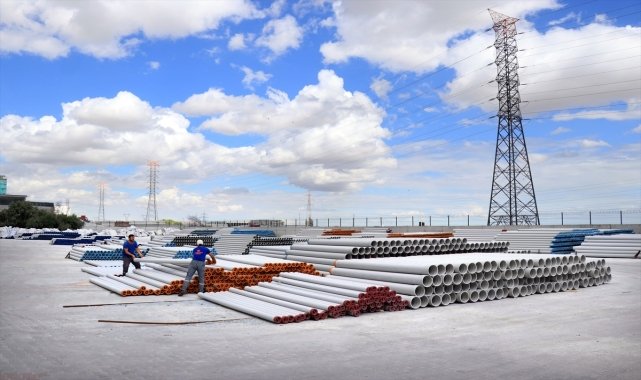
{"points": [[637, 129], [104, 28], [590, 144], [602, 19], [325, 138], [237, 42], [280, 35], [381, 87], [569, 17], [632, 112], [594, 65], [410, 35], [560, 130], [251, 77], [154, 65]]}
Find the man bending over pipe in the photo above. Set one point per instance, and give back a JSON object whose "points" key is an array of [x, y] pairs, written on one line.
{"points": [[129, 249], [197, 264]]}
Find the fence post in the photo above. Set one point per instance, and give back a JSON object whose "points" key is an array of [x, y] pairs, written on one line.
{"points": [[468, 220], [366, 221], [412, 220], [448, 220], [327, 222], [430, 220], [621, 217], [396, 223], [381, 221], [561, 218], [317, 223], [340, 222]]}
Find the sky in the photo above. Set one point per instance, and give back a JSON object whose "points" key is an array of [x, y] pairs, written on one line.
{"points": [[375, 108]]}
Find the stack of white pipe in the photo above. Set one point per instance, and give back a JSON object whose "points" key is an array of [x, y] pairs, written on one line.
{"points": [[233, 244], [169, 252], [613, 246], [477, 234], [440, 280], [322, 253], [78, 252], [533, 240]]}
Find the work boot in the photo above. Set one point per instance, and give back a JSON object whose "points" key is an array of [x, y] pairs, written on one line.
{"points": [[201, 289], [182, 293]]}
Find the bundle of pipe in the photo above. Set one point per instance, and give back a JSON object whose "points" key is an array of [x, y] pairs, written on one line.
{"points": [[614, 246], [477, 234], [69, 241], [261, 241], [92, 252], [161, 241], [415, 235], [315, 297], [326, 251], [232, 244], [104, 263], [440, 280], [170, 252], [253, 232], [191, 240], [535, 239]]}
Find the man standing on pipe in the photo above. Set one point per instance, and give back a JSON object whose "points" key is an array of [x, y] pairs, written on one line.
{"points": [[129, 249], [197, 264]]}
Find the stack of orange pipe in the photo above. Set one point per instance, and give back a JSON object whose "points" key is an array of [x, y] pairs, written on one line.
{"points": [[218, 280], [339, 232]]}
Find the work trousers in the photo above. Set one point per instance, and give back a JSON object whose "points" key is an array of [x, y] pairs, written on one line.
{"points": [[126, 260], [195, 266]]}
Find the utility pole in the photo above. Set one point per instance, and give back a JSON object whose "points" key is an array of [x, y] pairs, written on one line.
{"points": [[512, 201], [101, 207], [309, 222], [152, 211]]}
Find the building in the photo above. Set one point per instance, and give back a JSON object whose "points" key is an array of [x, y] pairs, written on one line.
{"points": [[7, 199], [3, 184]]}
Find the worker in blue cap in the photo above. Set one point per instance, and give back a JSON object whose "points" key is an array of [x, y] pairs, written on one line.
{"points": [[197, 264]]}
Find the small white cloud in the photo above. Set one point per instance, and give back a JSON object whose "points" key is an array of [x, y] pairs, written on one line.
{"points": [[154, 65], [560, 130], [589, 144], [602, 18], [237, 42], [637, 129], [281, 35], [430, 109], [253, 77], [569, 17], [381, 87]]}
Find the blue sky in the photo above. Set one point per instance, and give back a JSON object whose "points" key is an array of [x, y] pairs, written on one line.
{"points": [[378, 108]]}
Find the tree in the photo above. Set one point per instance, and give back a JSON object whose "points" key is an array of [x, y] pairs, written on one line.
{"points": [[25, 215]]}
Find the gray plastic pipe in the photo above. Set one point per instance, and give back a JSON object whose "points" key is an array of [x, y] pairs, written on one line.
{"points": [[410, 290]]}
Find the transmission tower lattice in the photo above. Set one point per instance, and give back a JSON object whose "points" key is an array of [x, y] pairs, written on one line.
{"points": [[101, 207], [309, 222], [512, 200], [152, 211]]}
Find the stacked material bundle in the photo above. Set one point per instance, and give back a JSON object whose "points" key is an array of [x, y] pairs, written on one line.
{"points": [[254, 232], [50, 235], [261, 241], [180, 241], [550, 240], [415, 235], [340, 232], [161, 241], [92, 252], [98, 252], [294, 297], [619, 246], [206, 232], [172, 252], [441, 280], [310, 232], [323, 253], [233, 244], [477, 234]]}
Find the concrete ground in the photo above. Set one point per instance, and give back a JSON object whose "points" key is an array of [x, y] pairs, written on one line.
{"points": [[591, 333]]}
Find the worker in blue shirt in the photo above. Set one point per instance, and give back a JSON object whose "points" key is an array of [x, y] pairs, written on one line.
{"points": [[129, 251], [197, 264]]}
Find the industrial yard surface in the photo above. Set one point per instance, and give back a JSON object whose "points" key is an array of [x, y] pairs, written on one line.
{"points": [[591, 333]]}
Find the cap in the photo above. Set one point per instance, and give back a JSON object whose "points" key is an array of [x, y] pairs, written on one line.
{"points": [[199, 242]]}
